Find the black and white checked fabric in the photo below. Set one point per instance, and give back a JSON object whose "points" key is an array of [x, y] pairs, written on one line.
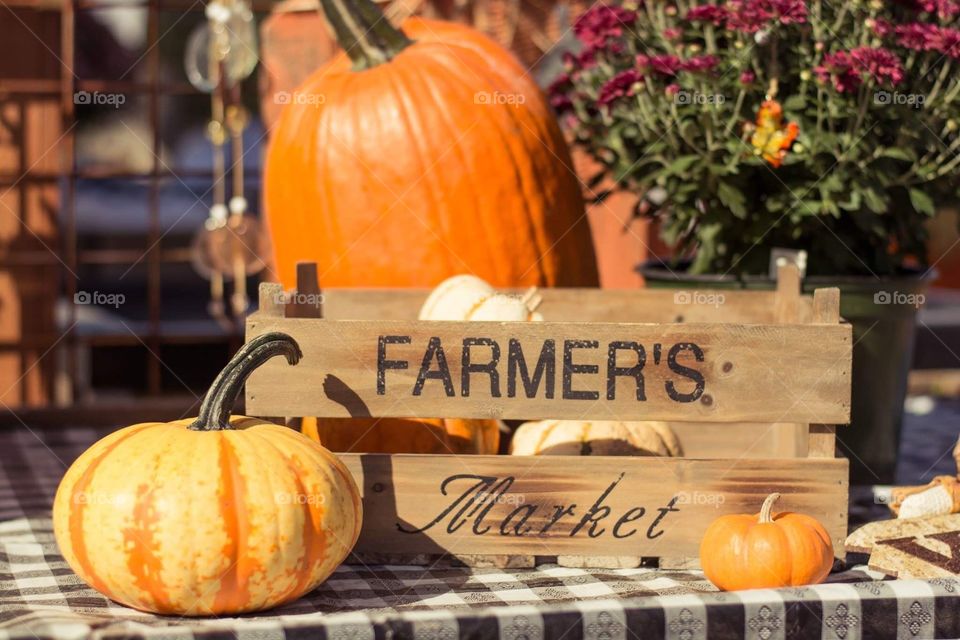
{"points": [[40, 597]]}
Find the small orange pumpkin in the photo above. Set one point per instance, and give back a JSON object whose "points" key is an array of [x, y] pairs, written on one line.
{"points": [[217, 515], [765, 551]]}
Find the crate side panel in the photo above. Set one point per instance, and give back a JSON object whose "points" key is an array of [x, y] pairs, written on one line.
{"points": [[546, 506]]}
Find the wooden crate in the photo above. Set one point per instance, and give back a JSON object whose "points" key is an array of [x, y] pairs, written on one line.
{"points": [[752, 385]]}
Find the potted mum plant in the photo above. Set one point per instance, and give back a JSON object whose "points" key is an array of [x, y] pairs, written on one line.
{"points": [[753, 124]]}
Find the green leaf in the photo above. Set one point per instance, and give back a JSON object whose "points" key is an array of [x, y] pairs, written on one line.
{"points": [[680, 165], [922, 202], [795, 102], [898, 153], [852, 203], [832, 183], [874, 201], [733, 199]]}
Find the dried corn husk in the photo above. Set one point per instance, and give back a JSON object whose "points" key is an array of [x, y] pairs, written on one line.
{"points": [[941, 496]]}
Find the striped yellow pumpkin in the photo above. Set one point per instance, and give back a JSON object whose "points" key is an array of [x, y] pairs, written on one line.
{"points": [[217, 515]]}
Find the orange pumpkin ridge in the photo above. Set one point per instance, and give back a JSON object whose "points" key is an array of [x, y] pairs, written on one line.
{"points": [[142, 559], [234, 592], [79, 500]]}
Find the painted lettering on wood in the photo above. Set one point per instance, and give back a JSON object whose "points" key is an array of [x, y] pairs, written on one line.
{"points": [[480, 357], [474, 510]]}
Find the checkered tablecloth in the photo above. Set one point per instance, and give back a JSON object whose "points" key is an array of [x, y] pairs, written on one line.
{"points": [[40, 597]]}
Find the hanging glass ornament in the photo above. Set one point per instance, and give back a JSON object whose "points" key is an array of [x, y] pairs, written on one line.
{"points": [[231, 33]]}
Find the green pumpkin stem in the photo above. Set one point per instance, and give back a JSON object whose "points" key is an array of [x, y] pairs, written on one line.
{"points": [[363, 32], [766, 515], [218, 403]]}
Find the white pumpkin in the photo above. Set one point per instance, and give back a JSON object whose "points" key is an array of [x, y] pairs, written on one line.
{"points": [[466, 297], [595, 438]]}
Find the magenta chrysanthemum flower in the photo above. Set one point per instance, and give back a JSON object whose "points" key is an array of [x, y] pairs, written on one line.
{"points": [[881, 27], [708, 13], [916, 36], [602, 23], [943, 9], [748, 77], [947, 42], [921, 36], [839, 66], [672, 33], [789, 11], [619, 86], [700, 64], [848, 68], [586, 58], [664, 65], [559, 92], [750, 16], [881, 64], [561, 103]]}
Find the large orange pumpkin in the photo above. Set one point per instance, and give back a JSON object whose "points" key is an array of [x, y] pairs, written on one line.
{"points": [[217, 515], [420, 154], [766, 551]]}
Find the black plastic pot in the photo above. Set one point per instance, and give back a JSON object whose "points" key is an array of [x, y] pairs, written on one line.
{"points": [[883, 312]]}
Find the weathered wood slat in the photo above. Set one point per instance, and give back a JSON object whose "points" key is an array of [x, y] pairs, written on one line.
{"points": [[626, 506], [691, 372], [585, 305]]}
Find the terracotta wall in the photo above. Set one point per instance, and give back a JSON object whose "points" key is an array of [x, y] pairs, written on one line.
{"points": [[30, 129]]}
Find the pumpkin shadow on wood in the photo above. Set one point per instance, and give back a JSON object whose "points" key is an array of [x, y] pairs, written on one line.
{"points": [[380, 502], [337, 390], [377, 473]]}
